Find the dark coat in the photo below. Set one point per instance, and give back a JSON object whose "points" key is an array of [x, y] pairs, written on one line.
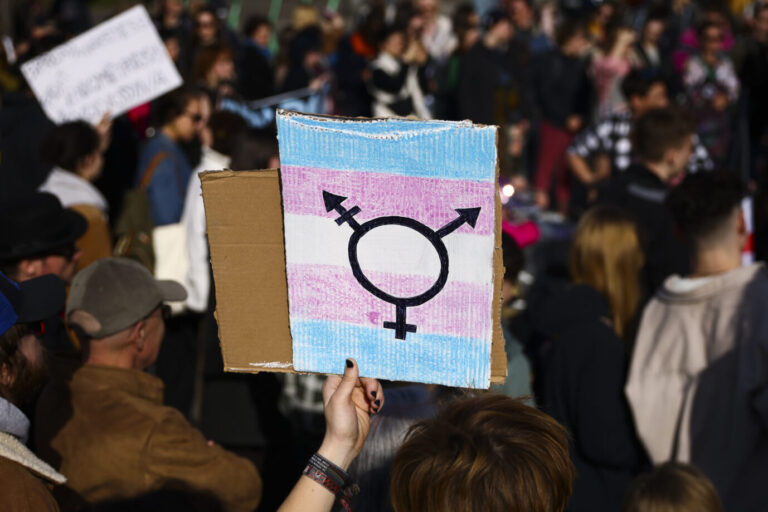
{"points": [[584, 370], [641, 194]]}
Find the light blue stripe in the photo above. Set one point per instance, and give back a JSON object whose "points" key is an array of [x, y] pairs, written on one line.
{"points": [[425, 149], [323, 345]]}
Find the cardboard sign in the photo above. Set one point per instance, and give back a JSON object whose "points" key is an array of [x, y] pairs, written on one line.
{"points": [[113, 67], [245, 233], [391, 230]]}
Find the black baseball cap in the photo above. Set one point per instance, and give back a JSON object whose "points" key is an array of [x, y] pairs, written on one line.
{"points": [[35, 223], [29, 301]]}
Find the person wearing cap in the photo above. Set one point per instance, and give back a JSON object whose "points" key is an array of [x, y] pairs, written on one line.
{"points": [[102, 421], [25, 477], [37, 237]]}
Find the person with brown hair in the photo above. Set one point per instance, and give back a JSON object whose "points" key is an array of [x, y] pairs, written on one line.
{"points": [[487, 452], [583, 370], [672, 487]]}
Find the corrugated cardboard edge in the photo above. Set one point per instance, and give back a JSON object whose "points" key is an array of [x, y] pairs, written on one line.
{"points": [[498, 352], [249, 364]]}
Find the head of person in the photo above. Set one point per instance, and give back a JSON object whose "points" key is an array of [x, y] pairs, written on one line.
{"points": [[572, 38], [498, 28], [606, 255], [226, 131], [259, 30], [427, 8], [662, 139], [206, 26], [37, 237], [644, 91], [710, 35], [119, 308], [653, 28], [180, 114], [466, 25], [23, 307], [706, 208], [171, 9], [487, 452], [214, 65], [672, 487], [75, 147], [392, 41], [760, 23], [171, 42], [521, 13]]}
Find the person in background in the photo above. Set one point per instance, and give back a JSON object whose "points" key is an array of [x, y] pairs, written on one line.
{"points": [[646, 54], [662, 140], [306, 62], [589, 330], [254, 71], [611, 63], [25, 478], [174, 27], [37, 237], [437, 35], [102, 422], [754, 79], [223, 133], [163, 165], [523, 16], [672, 487], [697, 384], [75, 150], [487, 452], [713, 87], [214, 72], [563, 92], [397, 76]]}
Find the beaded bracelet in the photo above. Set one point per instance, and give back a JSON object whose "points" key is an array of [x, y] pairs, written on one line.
{"points": [[333, 478]]}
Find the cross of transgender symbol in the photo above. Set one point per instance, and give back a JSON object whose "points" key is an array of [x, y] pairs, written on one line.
{"points": [[469, 216]]}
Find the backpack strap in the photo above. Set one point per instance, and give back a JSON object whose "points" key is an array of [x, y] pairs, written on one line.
{"points": [[150, 170]]}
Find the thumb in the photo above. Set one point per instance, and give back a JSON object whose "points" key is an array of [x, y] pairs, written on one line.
{"points": [[349, 380]]}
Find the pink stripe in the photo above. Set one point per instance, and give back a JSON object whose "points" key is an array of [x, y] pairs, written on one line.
{"points": [[379, 195], [333, 293]]}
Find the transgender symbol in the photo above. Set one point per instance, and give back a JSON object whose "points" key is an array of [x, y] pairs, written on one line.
{"points": [[466, 215]]}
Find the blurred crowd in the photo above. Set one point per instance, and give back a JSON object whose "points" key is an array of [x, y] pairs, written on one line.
{"points": [[633, 167]]}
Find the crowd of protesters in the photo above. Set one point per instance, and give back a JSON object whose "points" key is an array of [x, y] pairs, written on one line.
{"points": [[630, 134]]}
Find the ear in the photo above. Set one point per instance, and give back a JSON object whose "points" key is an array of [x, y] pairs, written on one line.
{"points": [[7, 376], [137, 336]]}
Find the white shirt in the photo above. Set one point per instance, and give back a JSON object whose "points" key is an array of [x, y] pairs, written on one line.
{"points": [[198, 281], [72, 190]]}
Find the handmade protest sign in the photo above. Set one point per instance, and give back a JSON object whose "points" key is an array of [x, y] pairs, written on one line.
{"points": [[391, 246], [113, 67]]}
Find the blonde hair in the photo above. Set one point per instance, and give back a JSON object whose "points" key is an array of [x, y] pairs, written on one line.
{"points": [[606, 255], [672, 487]]}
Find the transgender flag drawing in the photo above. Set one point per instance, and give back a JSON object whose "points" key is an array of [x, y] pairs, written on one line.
{"points": [[389, 238]]}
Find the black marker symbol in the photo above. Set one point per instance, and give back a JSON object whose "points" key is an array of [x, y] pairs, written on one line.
{"points": [[401, 328]]}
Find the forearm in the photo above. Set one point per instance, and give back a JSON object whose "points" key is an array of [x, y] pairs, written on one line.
{"points": [[580, 168]]}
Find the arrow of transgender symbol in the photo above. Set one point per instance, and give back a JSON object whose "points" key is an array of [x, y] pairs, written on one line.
{"points": [[469, 216]]}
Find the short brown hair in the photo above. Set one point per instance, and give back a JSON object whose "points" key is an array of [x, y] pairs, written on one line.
{"points": [[488, 452], [672, 487], [658, 131]]}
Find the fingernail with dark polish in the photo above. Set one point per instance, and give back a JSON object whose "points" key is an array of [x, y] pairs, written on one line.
{"points": [[373, 394], [350, 364], [378, 403]]}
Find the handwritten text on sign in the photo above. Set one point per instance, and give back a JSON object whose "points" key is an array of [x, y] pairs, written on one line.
{"points": [[113, 67]]}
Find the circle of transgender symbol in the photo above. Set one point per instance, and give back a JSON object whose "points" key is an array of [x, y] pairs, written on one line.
{"points": [[400, 326]]}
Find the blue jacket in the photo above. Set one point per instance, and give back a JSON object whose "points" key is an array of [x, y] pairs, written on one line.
{"points": [[168, 186]]}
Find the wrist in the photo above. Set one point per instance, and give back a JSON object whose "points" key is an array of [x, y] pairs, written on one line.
{"points": [[341, 454]]}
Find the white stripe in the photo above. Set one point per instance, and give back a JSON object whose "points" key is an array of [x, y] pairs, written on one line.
{"points": [[323, 242]]}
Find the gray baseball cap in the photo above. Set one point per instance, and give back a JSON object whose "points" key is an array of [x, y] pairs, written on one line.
{"points": [[117, 293]]}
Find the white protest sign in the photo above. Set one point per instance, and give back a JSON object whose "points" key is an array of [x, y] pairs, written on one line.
{"points": [[115, 66]]}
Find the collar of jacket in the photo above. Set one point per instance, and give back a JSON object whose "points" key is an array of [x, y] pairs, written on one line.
{"points": [[13, 421], [96, 377], [13, 449]]}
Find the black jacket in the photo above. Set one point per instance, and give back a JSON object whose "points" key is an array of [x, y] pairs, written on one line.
{"points": [[641, 194], [562, 87], [583, 373]]}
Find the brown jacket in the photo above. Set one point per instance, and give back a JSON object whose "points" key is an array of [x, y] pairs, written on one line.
{"points": [[96, 242], [22, 488], [107, 430]]}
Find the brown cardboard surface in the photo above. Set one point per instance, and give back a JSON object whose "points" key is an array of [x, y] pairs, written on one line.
{"points": [[245, 235]]}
